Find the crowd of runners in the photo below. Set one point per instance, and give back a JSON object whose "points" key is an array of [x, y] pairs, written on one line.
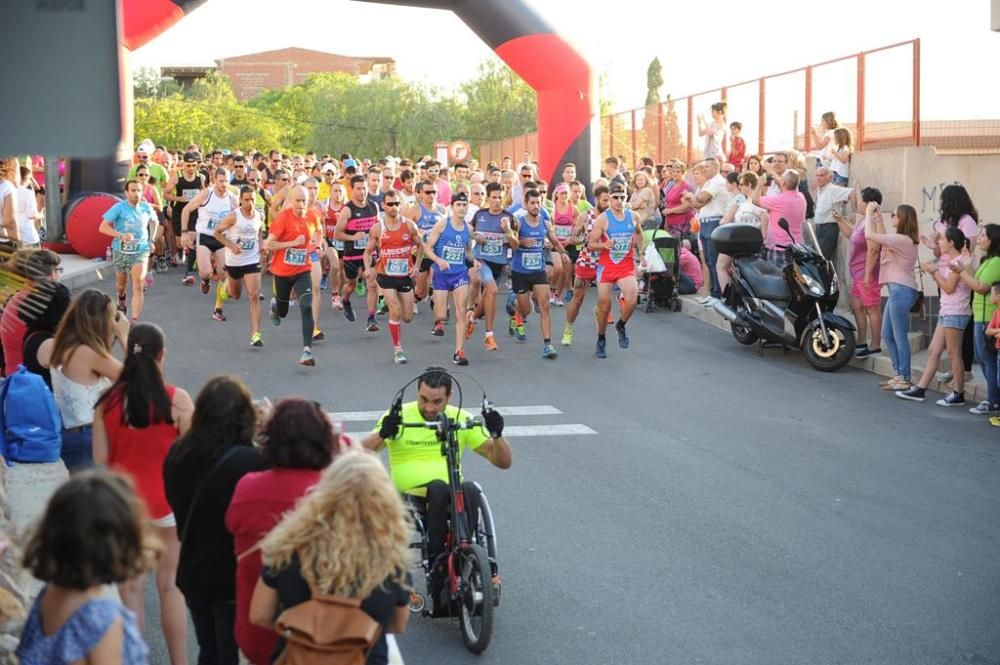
{"points": [[378, 238]]}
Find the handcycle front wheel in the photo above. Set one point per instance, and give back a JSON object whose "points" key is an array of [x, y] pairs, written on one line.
{"points": [[475, 599]]}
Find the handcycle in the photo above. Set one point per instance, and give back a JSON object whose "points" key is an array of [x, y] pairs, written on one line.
{"points": [[472, 583]]}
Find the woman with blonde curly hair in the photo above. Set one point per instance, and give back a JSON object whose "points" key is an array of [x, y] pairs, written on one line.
{"points": [[349, 536]]}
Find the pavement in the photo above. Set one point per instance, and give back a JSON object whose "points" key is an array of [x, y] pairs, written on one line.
{"points": [[721, 506]]}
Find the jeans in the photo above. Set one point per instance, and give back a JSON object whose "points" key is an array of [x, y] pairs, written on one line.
{"points": [[685, 285], [986, 352], [214, 628], [78, 448], [839, 180], [302, 283], [708, 225], [827, 235], [896, 326]]}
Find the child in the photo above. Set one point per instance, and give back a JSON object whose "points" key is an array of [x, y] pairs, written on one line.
{"points": [[737, 146], [93, 533], [691, 279], [841, 156], [993, 330]]}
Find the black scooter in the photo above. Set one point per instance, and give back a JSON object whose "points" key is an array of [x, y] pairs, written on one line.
{"points": [[790, 306]]}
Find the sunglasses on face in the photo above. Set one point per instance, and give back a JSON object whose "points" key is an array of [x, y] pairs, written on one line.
{"points": [[430, 191], [141, 175], [525, 175], [286, 179], [619, 197], [391, 204]]}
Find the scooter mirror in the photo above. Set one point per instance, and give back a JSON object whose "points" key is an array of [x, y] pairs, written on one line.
{"points": [[783, 223]]}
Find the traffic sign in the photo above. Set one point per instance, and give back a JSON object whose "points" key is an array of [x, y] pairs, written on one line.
{"points": [[459, 151]]}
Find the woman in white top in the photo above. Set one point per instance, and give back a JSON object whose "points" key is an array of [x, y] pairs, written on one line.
{"points": [[9, 175], [82, 368], [824, 144], [741, 210], [27, 213]]}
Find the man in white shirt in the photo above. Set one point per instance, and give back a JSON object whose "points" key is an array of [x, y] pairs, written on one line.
{"points": [[27, 213], [830, 199], [710, 200]]}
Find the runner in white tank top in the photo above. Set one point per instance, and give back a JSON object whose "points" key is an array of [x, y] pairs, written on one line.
{"points": [[213, 204], [239, 233]]}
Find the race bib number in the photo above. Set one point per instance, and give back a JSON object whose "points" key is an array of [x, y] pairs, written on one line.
{"points": [[295, 257], [338, 245], [397, 267], [532, 261], [128, 247], [189, 194], [563, 231], [454, 254], [212, 223], [360, 240], [248, 244], [621, 246]]}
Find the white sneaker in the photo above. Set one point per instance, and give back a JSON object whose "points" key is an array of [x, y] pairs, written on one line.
{"points": [[944, 377], [706, 300]]}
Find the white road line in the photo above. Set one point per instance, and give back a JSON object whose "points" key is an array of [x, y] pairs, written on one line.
{"points": [[518, 431], [372, 416]]}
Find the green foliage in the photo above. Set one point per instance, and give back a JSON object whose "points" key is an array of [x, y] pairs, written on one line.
{"points": [[336, 113], [654, 81]]}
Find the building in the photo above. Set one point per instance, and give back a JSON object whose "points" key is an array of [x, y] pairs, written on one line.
{"points": [[252, 74]]}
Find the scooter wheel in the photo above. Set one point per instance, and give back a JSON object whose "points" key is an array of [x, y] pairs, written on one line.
{"points": [[828, 358]]}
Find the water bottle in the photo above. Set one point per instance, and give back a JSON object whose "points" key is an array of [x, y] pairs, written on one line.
{"points": [[107, 254]]}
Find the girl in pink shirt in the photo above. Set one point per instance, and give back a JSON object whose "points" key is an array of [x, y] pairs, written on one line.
{"points": [[954, 317]]}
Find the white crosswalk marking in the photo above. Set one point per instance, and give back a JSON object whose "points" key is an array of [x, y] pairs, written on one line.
{"points": [[511, 430]]}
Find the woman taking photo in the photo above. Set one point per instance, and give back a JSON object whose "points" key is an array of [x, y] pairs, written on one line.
{"points": [[899, 256], [348, 537], [82, 369], [953, 317], [986, 274], [135, 423], [298, 442], [866, 292], [200, 474]]}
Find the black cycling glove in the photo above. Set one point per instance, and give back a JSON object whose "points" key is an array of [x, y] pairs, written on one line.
{"points": [[391, 423], [493, 422]]}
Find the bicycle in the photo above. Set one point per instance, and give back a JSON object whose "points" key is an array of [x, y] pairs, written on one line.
{"points": [[473, 582]]}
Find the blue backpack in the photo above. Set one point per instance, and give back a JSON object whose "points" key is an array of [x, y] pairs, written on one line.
{"points": [[30, 426]]}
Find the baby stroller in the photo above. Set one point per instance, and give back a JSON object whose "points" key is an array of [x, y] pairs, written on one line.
{"points": [[659, 284]]}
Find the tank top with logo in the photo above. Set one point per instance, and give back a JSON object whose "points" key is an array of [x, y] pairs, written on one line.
{"points": [[213, 210], [363, 218], [621, 233], [395, 250], [451, 245], [529, 256], [245, 233], [494, 246]]}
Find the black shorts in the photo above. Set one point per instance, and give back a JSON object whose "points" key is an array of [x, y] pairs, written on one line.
{"points": [[237, 272], [210, 242], [352, 269], [495, 268], [175, 222], [425, 265], [574, 253], [525, 282], [394, 282]]}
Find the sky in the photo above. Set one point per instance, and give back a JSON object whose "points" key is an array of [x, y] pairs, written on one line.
{"points": [[701, 46]]}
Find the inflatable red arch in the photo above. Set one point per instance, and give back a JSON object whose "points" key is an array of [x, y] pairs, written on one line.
{"points": [[562, 79]]}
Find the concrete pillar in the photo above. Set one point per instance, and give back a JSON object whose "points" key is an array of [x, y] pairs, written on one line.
{"points": [[995, 15]]}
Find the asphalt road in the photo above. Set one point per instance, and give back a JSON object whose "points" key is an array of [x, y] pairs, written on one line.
{"points": [[729, 509]]}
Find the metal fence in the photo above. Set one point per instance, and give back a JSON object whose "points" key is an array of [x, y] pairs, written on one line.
{"points": [[875, 94]]}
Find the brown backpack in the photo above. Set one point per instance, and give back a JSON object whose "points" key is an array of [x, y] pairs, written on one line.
{"points": [[327, 630]]}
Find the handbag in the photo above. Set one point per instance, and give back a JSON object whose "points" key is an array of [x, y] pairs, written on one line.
{"points": [[918, 304]]}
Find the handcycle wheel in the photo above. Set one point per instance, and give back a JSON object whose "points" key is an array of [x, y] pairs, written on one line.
{"points": [[475, 599]]}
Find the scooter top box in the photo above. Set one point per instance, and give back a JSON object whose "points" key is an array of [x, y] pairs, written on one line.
{"points": [[737, 239]]}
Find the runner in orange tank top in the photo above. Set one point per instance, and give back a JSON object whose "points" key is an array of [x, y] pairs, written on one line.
{"points": [[395, 240]]}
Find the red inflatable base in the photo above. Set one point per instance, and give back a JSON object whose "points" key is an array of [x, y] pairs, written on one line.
{"points": [[83, 218], [59, 247]]}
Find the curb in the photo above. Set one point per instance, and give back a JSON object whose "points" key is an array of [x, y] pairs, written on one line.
{"points": [[95, 272], [975, 391]]}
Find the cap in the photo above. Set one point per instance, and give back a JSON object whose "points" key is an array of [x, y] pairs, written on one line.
{"points": [[329, 168], [459, 196], [191, 157], [301, 179], [561, 187], [616, 188], [146, 147], [349, 163], [225, 151]]}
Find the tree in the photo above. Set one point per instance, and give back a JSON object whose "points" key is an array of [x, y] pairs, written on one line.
{"points": [[673, 143], [498, 104], [654, 81], [607, 106]]}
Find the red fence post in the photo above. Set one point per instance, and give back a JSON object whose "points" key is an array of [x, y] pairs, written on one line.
{"points": [[722, 94], [861, 102], [916, 91], [660, 119], [809, 108], [635, 145], [761, 109], [690, 131]]}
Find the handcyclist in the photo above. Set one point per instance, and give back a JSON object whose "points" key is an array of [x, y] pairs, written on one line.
{"points": [[420, 470]]}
